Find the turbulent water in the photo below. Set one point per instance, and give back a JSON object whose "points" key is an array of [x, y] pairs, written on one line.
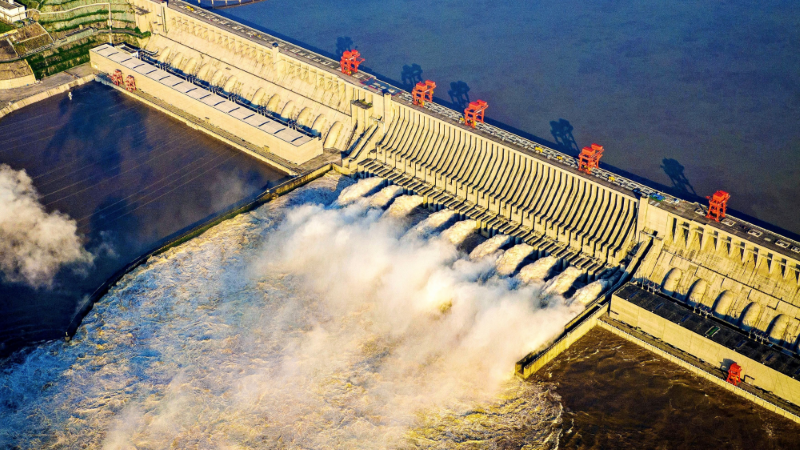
{"points": [[303, 324]]}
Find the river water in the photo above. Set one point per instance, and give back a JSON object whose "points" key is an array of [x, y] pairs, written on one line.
{"points": [[618, 395], [130, 176], [694, 96]]}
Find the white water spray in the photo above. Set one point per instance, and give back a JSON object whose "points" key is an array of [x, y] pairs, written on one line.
{"points": [[296, 325], [403, 206], [358, 190], [588, 293], [512, 258], [537, 271], [460, 231], [562, 282], [431, 224], [489, 246], [384, 196]]}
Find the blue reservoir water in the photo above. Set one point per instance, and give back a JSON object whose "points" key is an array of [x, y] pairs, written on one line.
{"points": [[692, 96]]}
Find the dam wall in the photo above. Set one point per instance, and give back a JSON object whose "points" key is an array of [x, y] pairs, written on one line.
{"points": [[608, 227], [552, 203]]}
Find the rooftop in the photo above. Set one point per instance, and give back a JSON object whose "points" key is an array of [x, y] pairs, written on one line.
{"points": [[718, 331], [239, 112]]}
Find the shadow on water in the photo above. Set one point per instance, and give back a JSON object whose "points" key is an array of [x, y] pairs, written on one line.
{"points": [[674, 171], [459, 94], [343, 44], [562, 133], [452, 103], [411, 75]]}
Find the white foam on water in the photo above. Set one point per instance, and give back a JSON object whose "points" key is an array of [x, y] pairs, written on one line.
{"points": [[588, 293], [460, 231], [512, 258], [489, 246], [431, 223], [538, 270], [297, 326], [358, 190], [384, 196], [562, 282], [403, 205]]}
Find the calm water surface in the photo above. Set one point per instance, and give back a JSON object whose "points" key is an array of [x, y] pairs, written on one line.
{"points": [[696, 95], [129, 175]]}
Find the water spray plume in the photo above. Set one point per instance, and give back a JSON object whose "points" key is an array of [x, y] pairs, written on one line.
{"points": [[512, 258], [562, 282], [384, 196], [460, 231], [489, 246], [537, 271], [298, 325]]}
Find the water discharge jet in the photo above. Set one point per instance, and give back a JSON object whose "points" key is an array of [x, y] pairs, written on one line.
{"points": [[512, 258], [385, 196], [358, 190], [432, 223], [489, 246], [562, 282], [537, 271], [460, 231], [403, 206]]}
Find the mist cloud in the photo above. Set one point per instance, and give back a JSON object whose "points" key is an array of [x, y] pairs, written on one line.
{"points": [[34, 244]]}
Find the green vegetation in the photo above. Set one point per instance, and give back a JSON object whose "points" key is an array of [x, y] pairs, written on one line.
{"points": [[30, 4], [53, 18], [54, 61], [4, 27]]}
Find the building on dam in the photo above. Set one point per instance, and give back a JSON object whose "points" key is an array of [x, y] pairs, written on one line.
{"points": [[701, 292]]}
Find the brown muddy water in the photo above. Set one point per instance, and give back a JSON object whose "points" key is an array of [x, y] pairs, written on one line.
{"points": [[617, 395]]}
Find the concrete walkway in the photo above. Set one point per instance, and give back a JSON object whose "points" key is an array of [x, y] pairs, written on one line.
{"points": [[14, 99], [9, 96]]}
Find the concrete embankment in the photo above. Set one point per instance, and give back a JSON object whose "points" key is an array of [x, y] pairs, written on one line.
{"points": [[20, 97]]}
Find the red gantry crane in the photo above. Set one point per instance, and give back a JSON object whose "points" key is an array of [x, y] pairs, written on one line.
{"points": [[717, 204], [116, 77], [130, 83], [423, 92], [734, 374], [351, 59], [590, 158], [474, 112]]}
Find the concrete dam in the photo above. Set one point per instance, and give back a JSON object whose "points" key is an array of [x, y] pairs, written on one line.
{"points": [[713, 296]]}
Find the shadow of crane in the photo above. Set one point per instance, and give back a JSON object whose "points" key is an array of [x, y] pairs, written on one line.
{"points": [[459, 94], [343, 44], [674, 171], [411, 75], [562, 133]]}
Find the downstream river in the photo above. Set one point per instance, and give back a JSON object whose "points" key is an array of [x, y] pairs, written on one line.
{"points": [[129, 175], [691, 96]]}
